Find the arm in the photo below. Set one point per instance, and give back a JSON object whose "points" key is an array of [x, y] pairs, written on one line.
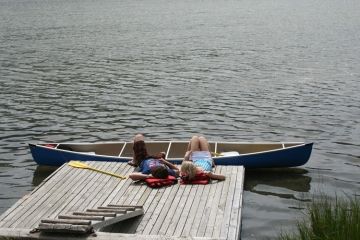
{"points": [[171, 166], [215, 176], [135, 176], [187, 156]]}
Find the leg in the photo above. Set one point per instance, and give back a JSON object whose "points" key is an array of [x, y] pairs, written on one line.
{"points": [[194, 144], [138, 149], [139, 137], [204, 146], [203, 143]]}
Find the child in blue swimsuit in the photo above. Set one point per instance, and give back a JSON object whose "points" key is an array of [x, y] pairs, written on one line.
{"points": [[198, 159], [150, 166]]}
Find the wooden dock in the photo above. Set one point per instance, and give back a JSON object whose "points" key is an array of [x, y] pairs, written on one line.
{"points": [[211, 211]]}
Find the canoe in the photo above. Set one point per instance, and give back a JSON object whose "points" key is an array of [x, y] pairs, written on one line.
{"points": [[250, 155]]}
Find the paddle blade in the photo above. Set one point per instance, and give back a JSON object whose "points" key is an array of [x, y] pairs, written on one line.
{"points": [[78, 164], [82, 165]]}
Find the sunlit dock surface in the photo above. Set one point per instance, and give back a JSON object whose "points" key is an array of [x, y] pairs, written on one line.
{"points": [[211, 211]]}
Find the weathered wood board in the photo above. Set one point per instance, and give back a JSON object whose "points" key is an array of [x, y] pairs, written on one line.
{"points": [[203, 211]]}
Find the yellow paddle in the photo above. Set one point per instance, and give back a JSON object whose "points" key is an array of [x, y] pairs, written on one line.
{"points": [[82, 165]]}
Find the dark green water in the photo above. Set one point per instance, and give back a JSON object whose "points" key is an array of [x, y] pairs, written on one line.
{"points": [[247, 70]]}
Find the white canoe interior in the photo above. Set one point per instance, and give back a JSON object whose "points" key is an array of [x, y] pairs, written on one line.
{"points": [[173, 149]]}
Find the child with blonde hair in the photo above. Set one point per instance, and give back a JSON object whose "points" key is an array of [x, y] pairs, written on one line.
{"points": [[198, 160]]}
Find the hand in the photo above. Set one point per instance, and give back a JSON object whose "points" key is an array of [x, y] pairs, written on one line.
{"points": [[187, 155]]}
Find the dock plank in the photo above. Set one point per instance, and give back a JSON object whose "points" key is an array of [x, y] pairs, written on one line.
{"points": [[212, 202], [164, 211], [16, 207], [38, 198], [204, 198], [121, 190], [190, 217], [168, 211], [180, 211], [149, 207], [228, 205], [130, 193], [67, 194], [11, 233], [221, 207], [157, 210], [211, 211], [235, 217], [96, 190], [184, 211], [62, 200]]}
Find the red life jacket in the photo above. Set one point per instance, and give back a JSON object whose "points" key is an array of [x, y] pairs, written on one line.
{"points": [[200, 178], [158, 182]]}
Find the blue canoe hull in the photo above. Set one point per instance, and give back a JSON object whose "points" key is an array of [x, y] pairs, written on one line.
{"points": [[285, 157]]}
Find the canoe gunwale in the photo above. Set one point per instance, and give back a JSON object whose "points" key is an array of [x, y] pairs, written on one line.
{"points": [[298, 144], [295, 155], [267, 151], [80, 153]]}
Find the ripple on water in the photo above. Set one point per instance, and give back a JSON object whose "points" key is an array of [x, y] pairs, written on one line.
{"points": [[235, 71]]}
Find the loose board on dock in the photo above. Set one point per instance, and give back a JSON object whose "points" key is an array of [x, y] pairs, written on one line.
{"points": [[211, 211]]}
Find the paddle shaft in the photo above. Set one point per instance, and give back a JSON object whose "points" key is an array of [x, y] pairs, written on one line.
{"points": [[108, 173]]}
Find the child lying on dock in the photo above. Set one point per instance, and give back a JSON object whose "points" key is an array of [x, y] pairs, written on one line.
{"points": [[150, 166], [157, 168], [198, 161]]}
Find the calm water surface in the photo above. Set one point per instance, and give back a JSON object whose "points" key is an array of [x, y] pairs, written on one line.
{"points": [[246, 70]]}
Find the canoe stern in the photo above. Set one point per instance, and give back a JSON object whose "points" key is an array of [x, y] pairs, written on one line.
{"points": [[287, 157]]}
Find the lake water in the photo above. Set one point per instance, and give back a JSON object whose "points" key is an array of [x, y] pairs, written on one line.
{"points": [[246, 70]]}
